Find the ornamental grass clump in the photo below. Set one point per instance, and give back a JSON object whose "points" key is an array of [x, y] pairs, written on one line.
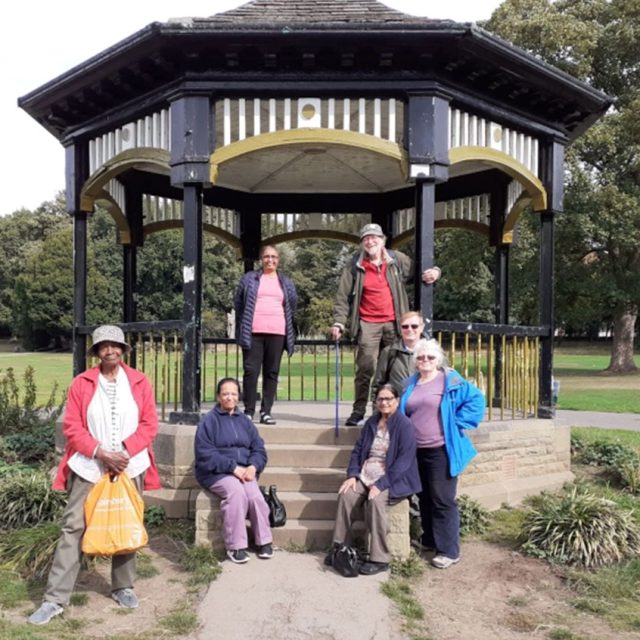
{"points": [[580, 529], [27, 499]]}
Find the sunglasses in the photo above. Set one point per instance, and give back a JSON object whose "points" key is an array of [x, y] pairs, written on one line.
{"points": [[385, 399], [409, 326], [429, 357]]}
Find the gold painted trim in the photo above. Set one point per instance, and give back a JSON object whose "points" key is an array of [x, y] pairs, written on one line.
{"points": [[131, 158], [164, 225], [513, 216], [308, 136], [500, 160], [94, 191]]}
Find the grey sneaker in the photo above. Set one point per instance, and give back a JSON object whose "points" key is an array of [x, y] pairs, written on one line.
{"points": [[44, 614], [265, 551], [443, 562], [125, 598]]}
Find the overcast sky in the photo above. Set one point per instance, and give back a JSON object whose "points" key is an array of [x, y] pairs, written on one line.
{"points": [[41, 40]]}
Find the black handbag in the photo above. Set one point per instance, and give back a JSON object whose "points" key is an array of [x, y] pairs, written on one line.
{"points": [[346, 561], [277, 511]]}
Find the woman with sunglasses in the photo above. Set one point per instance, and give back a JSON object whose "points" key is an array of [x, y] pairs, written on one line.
{"points": [[441, 404], [382, 471], [396, 364]]}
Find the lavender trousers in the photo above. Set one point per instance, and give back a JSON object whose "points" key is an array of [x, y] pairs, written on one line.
{"points": [[239, 500]]}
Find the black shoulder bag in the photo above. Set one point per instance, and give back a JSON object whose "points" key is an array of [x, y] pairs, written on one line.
{"points": [[346, 561], [277, 511]]}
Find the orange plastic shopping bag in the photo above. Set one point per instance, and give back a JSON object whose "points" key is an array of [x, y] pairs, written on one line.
{"points": [[114, 517]]}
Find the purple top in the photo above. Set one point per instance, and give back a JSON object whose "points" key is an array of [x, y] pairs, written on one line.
{"points": [[423, 409]]}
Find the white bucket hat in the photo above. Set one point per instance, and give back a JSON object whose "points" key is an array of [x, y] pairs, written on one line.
{"points": [[108, 333]]}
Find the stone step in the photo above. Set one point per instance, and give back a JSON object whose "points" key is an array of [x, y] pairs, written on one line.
{"points": [[304, 455], [304, 534], [300, 434], [303, 479], [309, 505]]}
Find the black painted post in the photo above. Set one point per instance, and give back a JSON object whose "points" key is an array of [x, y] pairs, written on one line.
{"points": [[424, 230], [426, 133], [133, 208], [501, 279], [79, 290], [546, 293], [76, 172], [250, 238], [501, 313], [192, 142], [192, 290], [552, 172]]}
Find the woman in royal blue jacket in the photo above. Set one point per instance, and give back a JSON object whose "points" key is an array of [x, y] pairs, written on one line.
{"points": [[265, 302], [441, 404], [230, 455], [382, 471]]}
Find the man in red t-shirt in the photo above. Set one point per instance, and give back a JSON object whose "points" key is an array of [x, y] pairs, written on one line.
{"points": [[371, 299]]}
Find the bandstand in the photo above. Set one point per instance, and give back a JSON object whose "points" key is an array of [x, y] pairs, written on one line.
{"points": [[263, 122]]}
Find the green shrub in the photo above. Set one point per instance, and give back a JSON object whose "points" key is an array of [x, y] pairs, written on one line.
{"points": [[579, 528], [474, 518], [28, 499], [29, 551], [601, 453], [154, 516]]}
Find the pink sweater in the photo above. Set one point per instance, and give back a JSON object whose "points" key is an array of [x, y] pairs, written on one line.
{"points": [[269, 314]]}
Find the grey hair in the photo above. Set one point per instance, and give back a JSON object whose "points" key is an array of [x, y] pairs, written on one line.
{"points": [[433, 346]]}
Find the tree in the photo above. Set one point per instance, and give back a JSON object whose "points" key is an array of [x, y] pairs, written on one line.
{"points": [[599, 41]]}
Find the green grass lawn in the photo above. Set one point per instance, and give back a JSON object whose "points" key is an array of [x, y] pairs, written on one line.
{"points": [[584, 385]]}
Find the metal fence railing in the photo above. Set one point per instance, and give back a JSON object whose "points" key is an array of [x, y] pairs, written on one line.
{"points": [[503, 361]]}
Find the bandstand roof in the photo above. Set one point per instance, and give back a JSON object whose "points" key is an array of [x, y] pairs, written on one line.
{"points": [[315, 39]]}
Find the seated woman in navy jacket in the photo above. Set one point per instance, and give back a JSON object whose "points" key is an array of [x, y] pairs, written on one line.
{"points": [[382, 471], [230, 455]]}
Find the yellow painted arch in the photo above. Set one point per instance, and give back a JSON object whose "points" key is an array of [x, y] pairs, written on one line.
{"points": [[512, 167], [303, 137], [94, 188]]}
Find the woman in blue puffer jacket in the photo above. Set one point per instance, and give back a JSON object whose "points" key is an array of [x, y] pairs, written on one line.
{"points": [[265, 302], [441, 404]]}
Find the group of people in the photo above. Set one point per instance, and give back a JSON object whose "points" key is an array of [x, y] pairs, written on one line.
{"points": [[413, 443]]}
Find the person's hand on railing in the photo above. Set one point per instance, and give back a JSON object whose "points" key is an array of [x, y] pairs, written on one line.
{"points": [[336, 332]]}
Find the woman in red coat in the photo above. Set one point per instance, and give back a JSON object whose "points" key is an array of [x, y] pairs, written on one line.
{"points": [[109, 423]]}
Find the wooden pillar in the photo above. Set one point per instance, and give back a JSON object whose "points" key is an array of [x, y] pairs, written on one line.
{"points": [[426, 134], [192, 142], [552, 174], [76, 173]]}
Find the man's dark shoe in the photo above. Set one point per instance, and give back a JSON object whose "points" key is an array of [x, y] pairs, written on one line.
{"points": [[371, 568], [354, 419]]}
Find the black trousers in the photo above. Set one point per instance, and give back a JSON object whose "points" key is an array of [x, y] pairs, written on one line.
{"points": [[438, 507], [266, 354]]}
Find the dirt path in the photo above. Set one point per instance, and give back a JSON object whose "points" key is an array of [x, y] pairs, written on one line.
{"points": [[496, 594], [493, 594]]}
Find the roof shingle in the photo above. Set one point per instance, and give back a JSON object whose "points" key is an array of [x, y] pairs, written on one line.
{"points": [[315, 12]]}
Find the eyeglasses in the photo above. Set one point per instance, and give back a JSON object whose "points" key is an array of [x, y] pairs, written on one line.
{"points": [[271, 257], [429, 357], [409, 326], [385, 398]]}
